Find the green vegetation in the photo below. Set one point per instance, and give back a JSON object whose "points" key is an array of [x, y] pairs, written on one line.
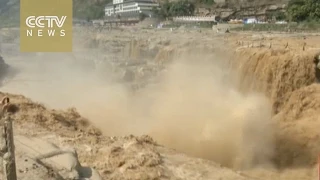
{"points": [[303, 15], [168, 9], [303, 10], [278, 15], [142, 16], [206, 2], [89, 10]]}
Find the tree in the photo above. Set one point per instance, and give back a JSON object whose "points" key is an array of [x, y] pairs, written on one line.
{"points": [[84, 9], [206, 2], [302, 10], [164, 10], [142, 16], [172, 9], [278, 15], [182, 8]]}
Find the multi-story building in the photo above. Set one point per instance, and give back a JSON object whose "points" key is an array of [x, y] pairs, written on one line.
{"points": [[130, 8]]}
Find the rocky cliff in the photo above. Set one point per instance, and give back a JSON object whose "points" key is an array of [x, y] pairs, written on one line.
{"points": [[232, 9]]}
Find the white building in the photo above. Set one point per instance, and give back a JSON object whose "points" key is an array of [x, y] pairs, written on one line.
{"points": [[129, 8], [251, 21]]}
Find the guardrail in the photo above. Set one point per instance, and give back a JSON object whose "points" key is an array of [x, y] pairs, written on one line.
{"points": [[127, 20], [195, 19]]}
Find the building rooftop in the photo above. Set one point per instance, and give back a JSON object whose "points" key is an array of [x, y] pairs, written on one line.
{"points": [[126, 1]]}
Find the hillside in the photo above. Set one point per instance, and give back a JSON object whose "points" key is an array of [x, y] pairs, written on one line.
{"points": [[82, 9], [9, 13], [250, 3], [229, 9]]}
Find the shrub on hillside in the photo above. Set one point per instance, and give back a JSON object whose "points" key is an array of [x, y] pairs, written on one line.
{"points": [[172, 9], [303, 10]]}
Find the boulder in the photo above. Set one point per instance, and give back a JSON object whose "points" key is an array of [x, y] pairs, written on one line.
{"points": [[62, 161]]}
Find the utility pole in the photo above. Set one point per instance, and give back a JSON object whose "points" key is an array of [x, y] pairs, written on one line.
{"points": [[7, 144], [9, 163]]}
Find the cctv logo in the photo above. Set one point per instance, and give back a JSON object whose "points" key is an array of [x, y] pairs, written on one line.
{"points": [[48, 22], [31, 21]]}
